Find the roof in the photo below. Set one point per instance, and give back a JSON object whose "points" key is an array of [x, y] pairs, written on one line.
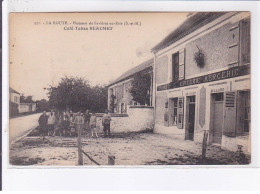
{"points": [[192, 23], [130, 73], [11, 90]]}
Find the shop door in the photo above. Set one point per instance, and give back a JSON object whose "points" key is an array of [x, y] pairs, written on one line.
{"points": [[243, 113], [191, 121], [122, 108], [173, 111], [217, 117]]}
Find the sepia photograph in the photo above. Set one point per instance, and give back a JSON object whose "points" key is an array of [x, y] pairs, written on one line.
{"points": [[129, 88]]}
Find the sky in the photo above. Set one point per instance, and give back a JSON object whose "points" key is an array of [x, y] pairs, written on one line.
{"points": [[42, 53]]}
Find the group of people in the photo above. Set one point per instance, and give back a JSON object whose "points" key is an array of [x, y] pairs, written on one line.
{"points": [[70, 124]]}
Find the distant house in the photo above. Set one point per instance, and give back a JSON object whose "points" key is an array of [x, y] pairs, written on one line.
{"points": [[27, 107], [15, 103], [119, 97], [14, 96]]}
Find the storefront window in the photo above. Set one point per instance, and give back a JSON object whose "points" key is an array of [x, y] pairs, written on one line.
{"points": [[175, 109]]}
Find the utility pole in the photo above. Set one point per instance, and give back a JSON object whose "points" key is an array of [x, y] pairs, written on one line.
{"points": [[80, 158], [204, 144]]}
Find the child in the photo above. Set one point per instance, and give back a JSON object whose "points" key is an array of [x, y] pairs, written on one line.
{"points": [[93, 124]]}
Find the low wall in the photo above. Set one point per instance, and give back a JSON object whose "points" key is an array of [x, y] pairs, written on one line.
{"points": [[138, 118]]}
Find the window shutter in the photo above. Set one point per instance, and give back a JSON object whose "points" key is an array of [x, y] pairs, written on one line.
{"points": [[245, 41], [229, 127], [180, 113], [233, 47], [181, 64]]}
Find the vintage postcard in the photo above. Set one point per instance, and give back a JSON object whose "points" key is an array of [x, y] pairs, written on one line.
{"points": [[129, 88]]}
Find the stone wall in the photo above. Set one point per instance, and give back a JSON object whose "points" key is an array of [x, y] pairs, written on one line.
{"points": [[139, 118]]}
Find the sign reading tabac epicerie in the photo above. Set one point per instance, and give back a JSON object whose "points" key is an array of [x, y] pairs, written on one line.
{"points": [[221, 75]]}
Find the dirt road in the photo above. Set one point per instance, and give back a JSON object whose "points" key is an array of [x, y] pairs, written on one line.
{"points": [[20, 125], [128, 149]]}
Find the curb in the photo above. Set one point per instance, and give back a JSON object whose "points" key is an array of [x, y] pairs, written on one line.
{"points": [[19, 138]]}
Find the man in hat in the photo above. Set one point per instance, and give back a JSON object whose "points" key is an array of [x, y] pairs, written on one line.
{"points": [[43, 124]]}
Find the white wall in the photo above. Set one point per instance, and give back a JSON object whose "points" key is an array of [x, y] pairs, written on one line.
{"points": [[138, 119]]}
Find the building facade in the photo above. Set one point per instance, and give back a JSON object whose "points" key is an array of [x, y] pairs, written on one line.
{"points": [[119, 97], [27, 107], [16, 106], [202, 79], [14, 102], [14, 96]]}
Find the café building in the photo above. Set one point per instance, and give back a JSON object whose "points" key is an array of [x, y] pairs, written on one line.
{"points": [[202, 80]]}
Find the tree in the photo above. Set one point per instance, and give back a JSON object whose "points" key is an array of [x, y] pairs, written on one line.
{"points": [[76, 94], [140, 89], [112, 103], [26, 99], [43, 105]]}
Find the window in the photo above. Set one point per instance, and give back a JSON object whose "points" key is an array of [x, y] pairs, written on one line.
{"points": [[174, 111], [123, 92], [245, 108], [175, 67], [218, 96], [192, 99], [245, 41]]}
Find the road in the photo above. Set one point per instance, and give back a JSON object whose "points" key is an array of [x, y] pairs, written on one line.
{"points": [[21, 125]]}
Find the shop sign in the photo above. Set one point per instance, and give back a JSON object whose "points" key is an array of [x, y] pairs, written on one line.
{"points": [[222, 75], [217, 90]]}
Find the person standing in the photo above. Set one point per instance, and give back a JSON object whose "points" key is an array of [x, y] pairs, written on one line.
{"points": [[51, 122], [87, 119], [43, 121], [93, 124], [79, 122], [106, 119], [66, 126]]}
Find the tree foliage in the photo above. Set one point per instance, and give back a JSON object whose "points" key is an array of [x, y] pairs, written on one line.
{"points": [[77, 94], [43, 105], [112, 103], [26, 99], [140, 89]]}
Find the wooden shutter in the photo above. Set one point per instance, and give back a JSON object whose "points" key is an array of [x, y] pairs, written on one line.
{"points": [[229, 127], [175, 67], [180, 112], [245, 41], [182, 64], [233, 48]]}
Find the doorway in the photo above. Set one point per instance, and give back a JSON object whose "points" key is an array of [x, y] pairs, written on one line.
{"points": [[217, 117], [122, 108], [189, 132], [173, 111], [243, 113]]}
